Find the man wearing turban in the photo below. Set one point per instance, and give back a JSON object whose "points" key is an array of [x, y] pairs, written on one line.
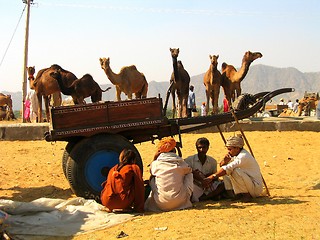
{"points": [[240, 171], [171, 179]]}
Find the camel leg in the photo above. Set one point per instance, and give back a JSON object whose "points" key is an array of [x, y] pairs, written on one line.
{"points": [[118, 94], [184, 107], [46, 104], [215, 98], [39, 96], [208, 101], [174, 109]]}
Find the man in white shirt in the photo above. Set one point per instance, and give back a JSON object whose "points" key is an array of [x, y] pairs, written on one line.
{"points": [[203, 166], [240, 170]]}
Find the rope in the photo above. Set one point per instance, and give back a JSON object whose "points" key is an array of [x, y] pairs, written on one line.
{"points": [[15, 30]]}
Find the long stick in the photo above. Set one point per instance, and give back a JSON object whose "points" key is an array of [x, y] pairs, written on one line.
{"points": [[221, 134], [236, 119]]}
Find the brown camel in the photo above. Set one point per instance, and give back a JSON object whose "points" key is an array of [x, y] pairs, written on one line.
{"points": [[231, 78], [179, 81], [45, 85], [307, 103], [129, 80], [6, 107], [212, 82], [80, 88]]}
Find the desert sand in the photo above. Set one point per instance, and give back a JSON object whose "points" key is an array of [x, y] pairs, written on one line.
{"points": [[290, 166]]}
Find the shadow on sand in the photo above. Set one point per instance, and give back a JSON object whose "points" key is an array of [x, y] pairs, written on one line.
{"points": [[30, 194]]}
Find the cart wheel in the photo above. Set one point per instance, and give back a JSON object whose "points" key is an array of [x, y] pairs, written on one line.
{"points": [[89, 161], [65, 156]]}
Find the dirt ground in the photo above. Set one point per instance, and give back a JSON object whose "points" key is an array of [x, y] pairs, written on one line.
{"points": [[290, 166]]}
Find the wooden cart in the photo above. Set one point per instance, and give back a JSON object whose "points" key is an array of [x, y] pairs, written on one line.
{"points": [[96, 133]]}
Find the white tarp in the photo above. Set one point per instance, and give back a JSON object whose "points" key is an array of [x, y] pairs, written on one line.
{"points": [[58, 217]]}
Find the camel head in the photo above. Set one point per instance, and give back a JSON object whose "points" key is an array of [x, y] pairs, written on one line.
{"points": [[31, 71], [174, 52], [105, 63], [214, 60], [249, 57]]}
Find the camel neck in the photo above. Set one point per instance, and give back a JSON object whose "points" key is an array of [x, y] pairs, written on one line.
{"points": [[243, 70], [113, 77], [175, 68]]}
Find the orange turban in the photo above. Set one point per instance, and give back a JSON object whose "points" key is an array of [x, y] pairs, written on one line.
{"points": [[166, 144]]}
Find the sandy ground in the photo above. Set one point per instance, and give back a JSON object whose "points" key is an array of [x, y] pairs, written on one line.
{"points": [[290, 166]]}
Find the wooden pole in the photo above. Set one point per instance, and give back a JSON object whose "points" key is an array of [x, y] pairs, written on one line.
{"points": [[236, 119], [25, 63]]}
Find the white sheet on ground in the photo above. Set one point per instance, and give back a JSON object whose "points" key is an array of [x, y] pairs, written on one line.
{"points": [[58, 217]]}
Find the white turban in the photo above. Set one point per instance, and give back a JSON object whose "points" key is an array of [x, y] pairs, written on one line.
{"points": [[235, 141]]}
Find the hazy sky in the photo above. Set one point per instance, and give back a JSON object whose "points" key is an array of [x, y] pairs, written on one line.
{"points": [[75, 34]]}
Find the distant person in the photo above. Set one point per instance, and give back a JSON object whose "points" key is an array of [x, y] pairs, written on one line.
{"points": [[203, 109], [171, 179], [240, 170], [203, 166], [290, 104], [191, 104], [32, 97], [295, 106], [318, 110], [26, 114], [225, 105], [123, 191], [281, 102]]}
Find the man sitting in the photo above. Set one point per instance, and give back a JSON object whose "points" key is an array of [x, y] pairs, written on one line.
{"points": [[203, 166], [240, 170]]}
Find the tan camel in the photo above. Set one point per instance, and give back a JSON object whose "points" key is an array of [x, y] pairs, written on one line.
{"points": [[179, 82], [45, 85], [80, 88], [231, 78], [212, 82], [6, 107], [129, 80], [307, 103]]}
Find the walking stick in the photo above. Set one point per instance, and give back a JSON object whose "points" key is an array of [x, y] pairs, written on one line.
{"points": [[236, 119]]}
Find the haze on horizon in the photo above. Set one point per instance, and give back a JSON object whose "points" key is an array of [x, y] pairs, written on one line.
{"points": [[75, 34]]}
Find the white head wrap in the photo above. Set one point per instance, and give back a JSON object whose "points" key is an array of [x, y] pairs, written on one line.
{"points": [[235, 141]]}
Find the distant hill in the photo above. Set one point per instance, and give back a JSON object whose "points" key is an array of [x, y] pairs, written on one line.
{"points": [[259, 78]]}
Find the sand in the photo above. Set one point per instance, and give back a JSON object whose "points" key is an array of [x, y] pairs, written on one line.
{"points": [[290, 166]]}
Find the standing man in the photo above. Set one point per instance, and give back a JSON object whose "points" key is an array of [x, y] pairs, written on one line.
{"points": [[191, 101], [240, 170], [203, 166]]}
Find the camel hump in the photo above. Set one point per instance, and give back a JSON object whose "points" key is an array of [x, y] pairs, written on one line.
{"points": [[56, 67], [132, 67], [224, 66], [87, 75]]}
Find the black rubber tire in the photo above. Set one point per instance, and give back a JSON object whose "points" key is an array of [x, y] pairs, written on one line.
{"points": [[65, 156], [89, 158]]}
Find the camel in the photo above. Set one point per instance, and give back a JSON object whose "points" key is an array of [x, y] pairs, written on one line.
{"points": [[80, 88], [129, 80], [212, 82], [6, 107], [307, 103], [231, 78], [179, 83], [45, 85]]}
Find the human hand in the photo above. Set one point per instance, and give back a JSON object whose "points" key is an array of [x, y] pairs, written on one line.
{"points": [[225, 160], [206, 182]]}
